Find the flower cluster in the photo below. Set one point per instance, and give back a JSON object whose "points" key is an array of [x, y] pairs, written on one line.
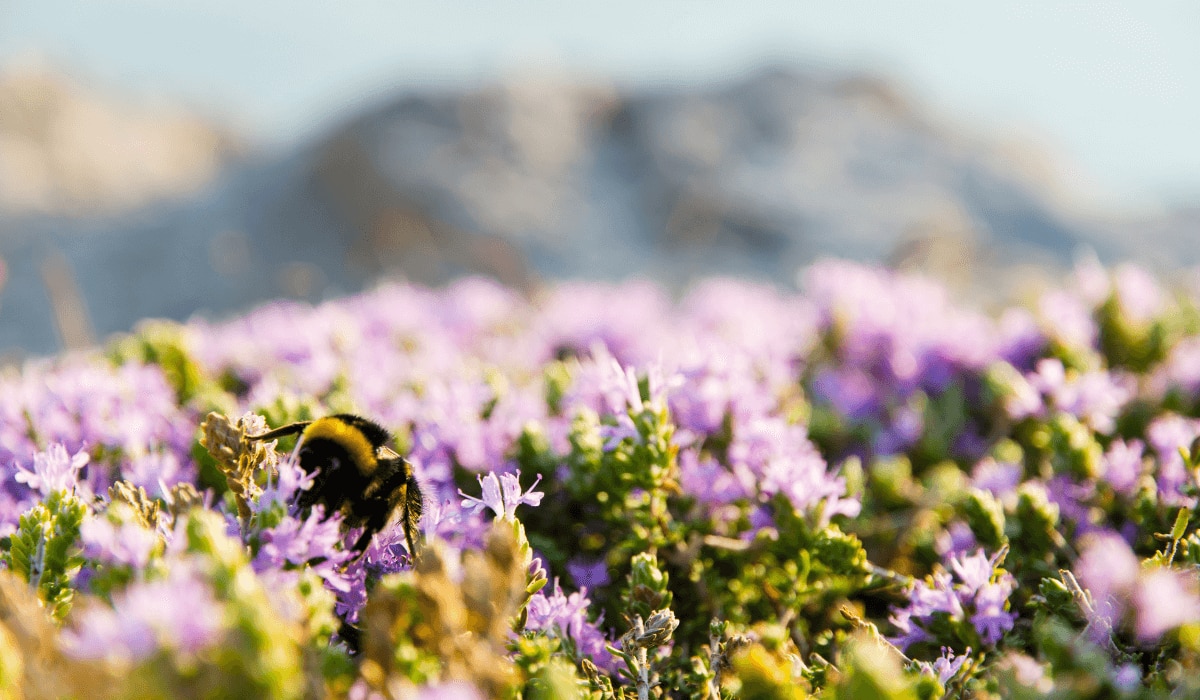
{"points": [[938, 607], [747, 492]]}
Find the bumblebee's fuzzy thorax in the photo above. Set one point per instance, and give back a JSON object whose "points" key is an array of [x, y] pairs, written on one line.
{"points": [[345, 436]]}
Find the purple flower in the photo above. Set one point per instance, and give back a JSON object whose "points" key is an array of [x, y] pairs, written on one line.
{"points": [[1096, 398], [450, 690], [1128, 677], [974, 572], [1139, 294], [1123, 465], [82, 401], [945, 666], [991, 620], [502, 495], [53, 470], [935, 596], [1160, 598], [956, 540], [1108, 569], [178, 613], [1167, 435], [1066, 318], [588, 574], [910, 632], [710, 482], [978, 592], [298, 542], [566, 615], [1000, 478], [285, 485], [851, 392], [1164, 600], [127, 544]]}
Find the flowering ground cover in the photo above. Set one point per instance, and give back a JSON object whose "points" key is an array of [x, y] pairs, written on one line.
{"points": [[861, 489]]}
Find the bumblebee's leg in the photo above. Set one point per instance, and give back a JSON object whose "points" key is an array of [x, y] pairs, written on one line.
{"points": [[352, 636], [364, 541], [414, 504]]}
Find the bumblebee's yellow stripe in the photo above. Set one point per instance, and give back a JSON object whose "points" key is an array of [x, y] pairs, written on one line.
{"points": [[348, 437]]}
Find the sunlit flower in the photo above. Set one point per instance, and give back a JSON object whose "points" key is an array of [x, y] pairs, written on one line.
{"points": [[53, 470], [502, 494]]}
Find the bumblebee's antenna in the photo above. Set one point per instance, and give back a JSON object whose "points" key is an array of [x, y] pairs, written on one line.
{"points": [[290, 429]]}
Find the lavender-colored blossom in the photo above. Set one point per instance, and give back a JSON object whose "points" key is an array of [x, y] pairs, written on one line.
{"points": [[851, 392], [999, 478], [1180, 371], [1108, 570], [577, 317], [935, 596], [295, 541], [283, 487], [450, 690], [783, 460], [1128, 677], [1096, 398], [178, 613], [991, 620], [567, 615], [155, 471], [588, 573], [502, 494], [1072, 499], [1164, 599], [978, 592], [1068, 319], [446, 520], [909, 631], [945, 666], [83, 403], [1137, 291], [1167, 435], [710, 482], [1020, 341], [956, 540], [129, 544], [1107, 567], [53, 470], [1122, 465], [352, 591], [973, 571]]}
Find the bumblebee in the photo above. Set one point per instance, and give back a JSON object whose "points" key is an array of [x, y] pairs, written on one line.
{"points": [[357, 474]]}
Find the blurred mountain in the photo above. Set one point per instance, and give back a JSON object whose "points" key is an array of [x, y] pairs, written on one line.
{"points": [[65, 149], [529, 180]]}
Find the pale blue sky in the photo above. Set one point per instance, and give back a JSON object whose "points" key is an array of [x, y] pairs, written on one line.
{"points": [[1112, 87]]}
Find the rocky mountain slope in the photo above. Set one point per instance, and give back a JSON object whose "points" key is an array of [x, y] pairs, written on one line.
{"points": [[535, 179]]}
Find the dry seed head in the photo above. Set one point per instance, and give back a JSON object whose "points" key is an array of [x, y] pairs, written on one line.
{"points": [[237, 457]]}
